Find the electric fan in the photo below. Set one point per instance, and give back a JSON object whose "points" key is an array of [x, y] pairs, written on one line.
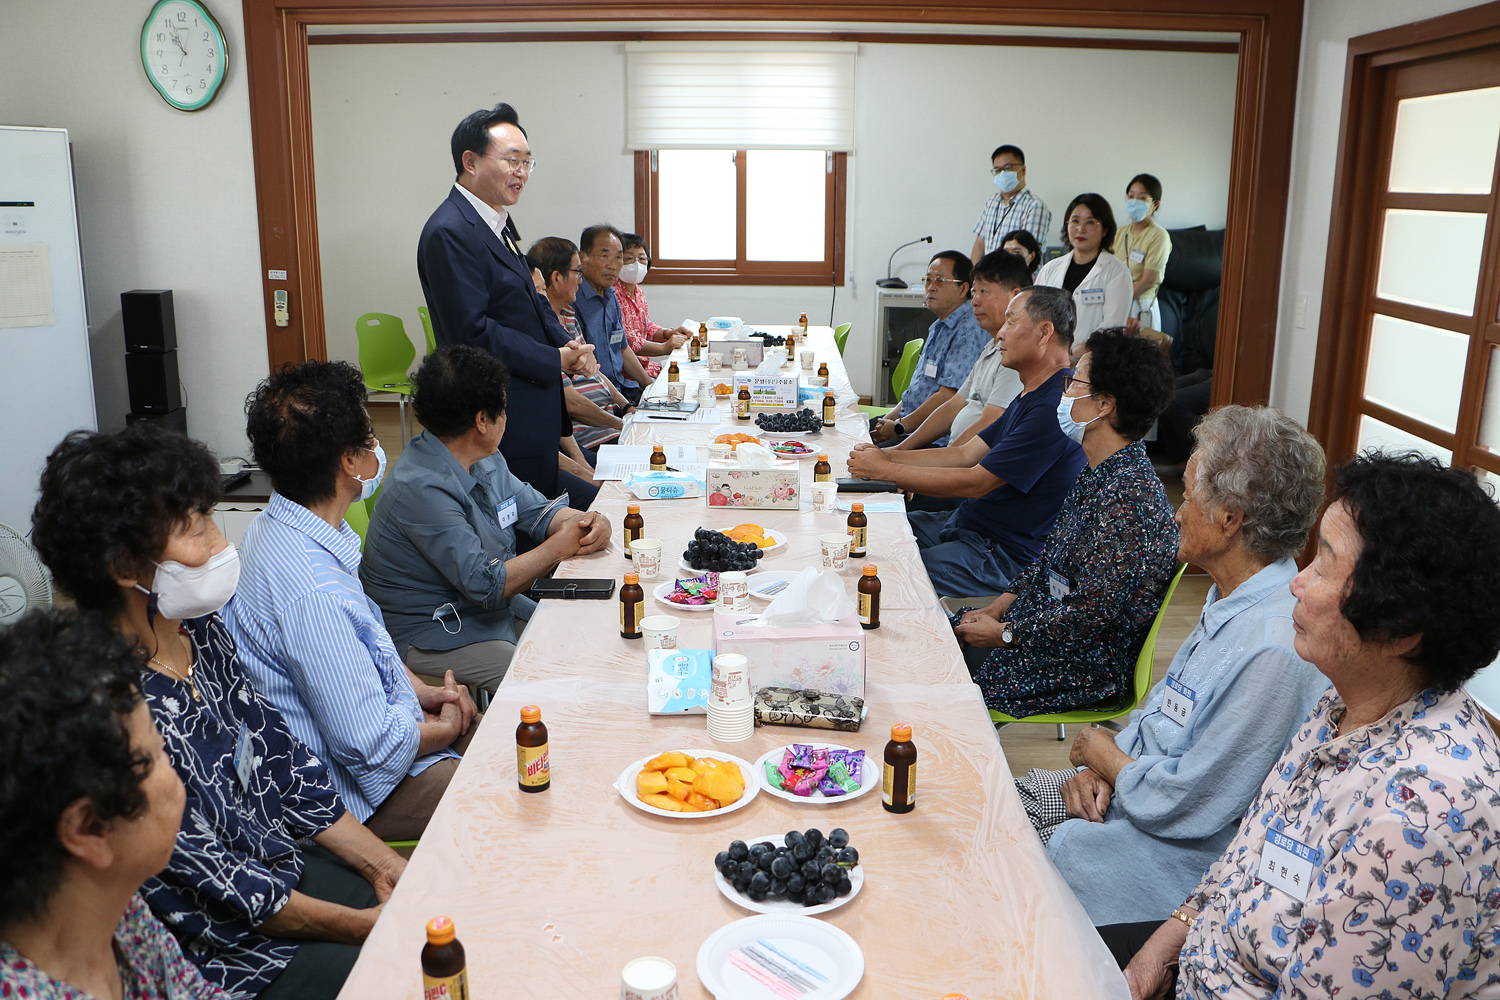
{"points": [[24, 583]]}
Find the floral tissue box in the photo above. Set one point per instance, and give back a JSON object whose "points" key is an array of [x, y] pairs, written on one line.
{"points": [[779, 706], [777, 487]]}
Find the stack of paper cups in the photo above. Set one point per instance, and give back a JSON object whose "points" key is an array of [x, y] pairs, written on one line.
{"points": [[731, 706]]}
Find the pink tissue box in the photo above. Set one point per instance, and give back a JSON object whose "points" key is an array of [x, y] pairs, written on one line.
{"points": [[827, 657], [777, 487]]}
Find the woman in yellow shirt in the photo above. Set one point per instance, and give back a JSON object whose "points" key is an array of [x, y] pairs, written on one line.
{"points": [[1144, 246]]}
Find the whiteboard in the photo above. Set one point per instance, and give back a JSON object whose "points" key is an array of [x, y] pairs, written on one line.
{"points": [[44, 330]]}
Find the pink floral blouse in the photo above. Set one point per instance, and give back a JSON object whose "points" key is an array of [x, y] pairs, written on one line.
{"points": [[638, 325]]}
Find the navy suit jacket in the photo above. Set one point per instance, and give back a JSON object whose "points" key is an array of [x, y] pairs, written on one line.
{"points": [[480, 292]]}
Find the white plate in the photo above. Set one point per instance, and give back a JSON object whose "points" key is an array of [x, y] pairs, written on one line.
{"points": [[764, 579], [626, 784], [688, 567], [661, 592], [778, 538], [869, 777], [785, 436], [814, 943], [786, 906], [796, 455]]}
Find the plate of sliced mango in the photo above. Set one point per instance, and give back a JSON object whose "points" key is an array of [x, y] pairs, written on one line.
{"points": [[688, 784], [768, 540]]}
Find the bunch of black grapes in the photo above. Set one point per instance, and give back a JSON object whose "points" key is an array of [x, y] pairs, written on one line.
{"points": [[804, 421], [717, 552], [808, 868], [770, 339]]}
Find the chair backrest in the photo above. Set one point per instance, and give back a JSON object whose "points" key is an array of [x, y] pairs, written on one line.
{"points": [[427, 328], [906, 367], [841, 336], [358, 517], [1147, 657], [385, 351]]}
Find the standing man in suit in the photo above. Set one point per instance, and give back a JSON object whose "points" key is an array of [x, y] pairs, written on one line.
{"points": [[480, 292]]}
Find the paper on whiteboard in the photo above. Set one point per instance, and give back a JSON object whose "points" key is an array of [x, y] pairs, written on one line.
{"points": [[25, 286]]}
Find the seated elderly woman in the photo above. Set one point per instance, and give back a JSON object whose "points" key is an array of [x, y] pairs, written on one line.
{"points": [[313, 643], [1154, 805], [123, 524], [441, 557], [1366, 866], [86, 815], [1069, 628]]}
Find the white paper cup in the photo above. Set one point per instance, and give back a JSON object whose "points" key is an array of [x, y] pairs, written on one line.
{"points": [[649, 978], [741, 359], [660, 631], [825, 498], [720, 452], [715, 360], [646, 554], [808, 359], [815, 380], [835, 550], [677, 390], [734, 591], [731, 683]]}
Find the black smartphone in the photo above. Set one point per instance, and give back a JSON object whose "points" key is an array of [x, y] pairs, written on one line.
{"points": [[866, 486], [570, 589]]}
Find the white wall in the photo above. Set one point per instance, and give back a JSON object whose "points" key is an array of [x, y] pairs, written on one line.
{"points": [[382, 117], [166, 199], [1327, 27]]}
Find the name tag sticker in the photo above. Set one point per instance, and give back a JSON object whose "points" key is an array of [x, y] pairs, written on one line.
{"points": [[930, 370], [505, 512], [619, 335], [1137, 256], [244, 757], [1178, 701], [1057, 585], [1288, 864], [1091, 296]]}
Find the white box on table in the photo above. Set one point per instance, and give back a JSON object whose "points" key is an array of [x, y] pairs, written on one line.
{"points": [[755, 349], [677, 681], [777, 486], [768, 392], [827, 657]]}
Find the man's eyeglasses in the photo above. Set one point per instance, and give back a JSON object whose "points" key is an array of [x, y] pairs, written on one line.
{"points": [[1012, 167], [934, 280], [1069, 381], [517, 165]]}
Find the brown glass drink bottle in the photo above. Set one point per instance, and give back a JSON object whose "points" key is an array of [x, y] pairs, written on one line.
{"points": [[658, 458], [742, 403], [635, 526], [822, 471], [445, 974], [900, 786], [632, 606], [869, 598], [533, 768], [674, 374], [859, 531]]}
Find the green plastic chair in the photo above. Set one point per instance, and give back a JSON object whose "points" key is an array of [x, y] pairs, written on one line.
{"points": [[427, 328], [358, 517], [1142, 686], [900, 376], [841, 336], [385, 357]]}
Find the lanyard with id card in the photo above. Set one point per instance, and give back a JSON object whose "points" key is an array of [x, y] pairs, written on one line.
{"points": [[244, 757], [1288, 864], [1178, 701], [505, 512], [1138, 256]]}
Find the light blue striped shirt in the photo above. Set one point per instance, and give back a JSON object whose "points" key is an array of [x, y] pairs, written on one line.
{"points": [[315, 647]]}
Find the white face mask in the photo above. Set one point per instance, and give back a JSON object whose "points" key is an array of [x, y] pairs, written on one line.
{"points": [[1136, 209], [194, 591], [1071, 427], [1007, 181], [633, 273], [367, 487]]}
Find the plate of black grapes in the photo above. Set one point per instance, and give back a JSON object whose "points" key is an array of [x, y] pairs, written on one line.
{"points": [[799, 872], [716, 552], [803, 421]]}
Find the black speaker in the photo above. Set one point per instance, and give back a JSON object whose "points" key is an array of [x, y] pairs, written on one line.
{"points": [[172, 420], [150, 322], [152, 379]]}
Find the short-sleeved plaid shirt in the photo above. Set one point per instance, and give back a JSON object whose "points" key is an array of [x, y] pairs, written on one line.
{"points": [[1025, 211]]}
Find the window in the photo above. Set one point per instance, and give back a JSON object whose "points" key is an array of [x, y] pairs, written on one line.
{"points": [[758, 216]]}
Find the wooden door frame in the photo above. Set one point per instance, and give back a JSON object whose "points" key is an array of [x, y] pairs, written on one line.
{"points": [[1372, 59], [1270, 34]]}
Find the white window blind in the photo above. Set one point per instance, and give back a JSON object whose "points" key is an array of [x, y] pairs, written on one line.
{"points": [[740, 95]]}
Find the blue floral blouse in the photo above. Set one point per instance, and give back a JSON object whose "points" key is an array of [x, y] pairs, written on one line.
{"points": [[1404, 903], [236, 860], [1113, 547]]}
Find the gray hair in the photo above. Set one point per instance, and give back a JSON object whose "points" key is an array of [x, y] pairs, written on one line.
{"points": [[1260, 462], [1045, 304]]}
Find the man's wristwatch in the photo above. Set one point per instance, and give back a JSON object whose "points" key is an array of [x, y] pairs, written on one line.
{"points": [[899, 428]]}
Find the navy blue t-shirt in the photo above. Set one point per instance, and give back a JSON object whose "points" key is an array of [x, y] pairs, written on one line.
{"points": [[1038, 464]]}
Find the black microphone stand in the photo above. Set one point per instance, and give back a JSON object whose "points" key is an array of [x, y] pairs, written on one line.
{"points": [[890, 282]]}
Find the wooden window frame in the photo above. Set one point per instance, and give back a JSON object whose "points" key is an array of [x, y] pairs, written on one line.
{"points": [[665, 271], [1269, 46], [1359, 203]]}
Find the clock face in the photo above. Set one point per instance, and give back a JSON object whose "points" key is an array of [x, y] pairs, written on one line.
{"points": [[182, 49]]}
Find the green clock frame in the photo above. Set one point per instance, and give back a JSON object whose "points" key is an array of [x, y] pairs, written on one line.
{"points": [[218, 81]]}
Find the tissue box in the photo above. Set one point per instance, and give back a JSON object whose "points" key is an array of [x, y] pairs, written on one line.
{"points": [[677, 681], [778, 486], [724, 322], [769, 392], [779, 706], [828, 658]]}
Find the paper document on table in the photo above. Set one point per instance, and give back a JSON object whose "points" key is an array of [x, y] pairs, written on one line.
{"points": [[25, 286], [620, 461], [879, 507], [702, 415]]}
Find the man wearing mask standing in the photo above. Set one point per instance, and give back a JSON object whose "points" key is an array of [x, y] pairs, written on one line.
{"points": [[480, 291], [602, 254], [1012, 207]]}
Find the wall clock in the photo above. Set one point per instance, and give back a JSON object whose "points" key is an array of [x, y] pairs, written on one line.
{"points": [[182, 50]]}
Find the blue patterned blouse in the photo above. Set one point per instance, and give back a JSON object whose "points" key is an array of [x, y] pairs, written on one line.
{"points": [[1404, 902], [253, 790], [1113, 548]]}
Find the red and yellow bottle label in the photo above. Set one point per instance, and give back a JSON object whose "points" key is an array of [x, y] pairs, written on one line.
{"points": [[446, 988], [532, 767], [742, 407], [857, 541]]}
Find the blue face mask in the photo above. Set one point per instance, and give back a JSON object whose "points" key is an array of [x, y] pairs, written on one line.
{"points": [[1007, 181], [1072, 428], [367, 487], [1136, 209]]}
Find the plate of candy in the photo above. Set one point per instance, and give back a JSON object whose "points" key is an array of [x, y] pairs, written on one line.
{"points": [[792, 449], [817, 773], [696, 593]]}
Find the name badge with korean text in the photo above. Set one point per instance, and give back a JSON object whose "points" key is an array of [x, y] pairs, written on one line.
{"points": [[1091, 296], [1178, 701], [244, 757], [505, 512], [1057, 585], [930, 369], [1137, 256], [1288, 864], [618, 337]]}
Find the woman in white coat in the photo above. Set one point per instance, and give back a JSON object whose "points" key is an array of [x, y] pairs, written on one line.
{"points": [[1099, 281]]}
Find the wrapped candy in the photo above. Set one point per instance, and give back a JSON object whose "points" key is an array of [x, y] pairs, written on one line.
{"points": [[802, 769], [843, 775]]}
